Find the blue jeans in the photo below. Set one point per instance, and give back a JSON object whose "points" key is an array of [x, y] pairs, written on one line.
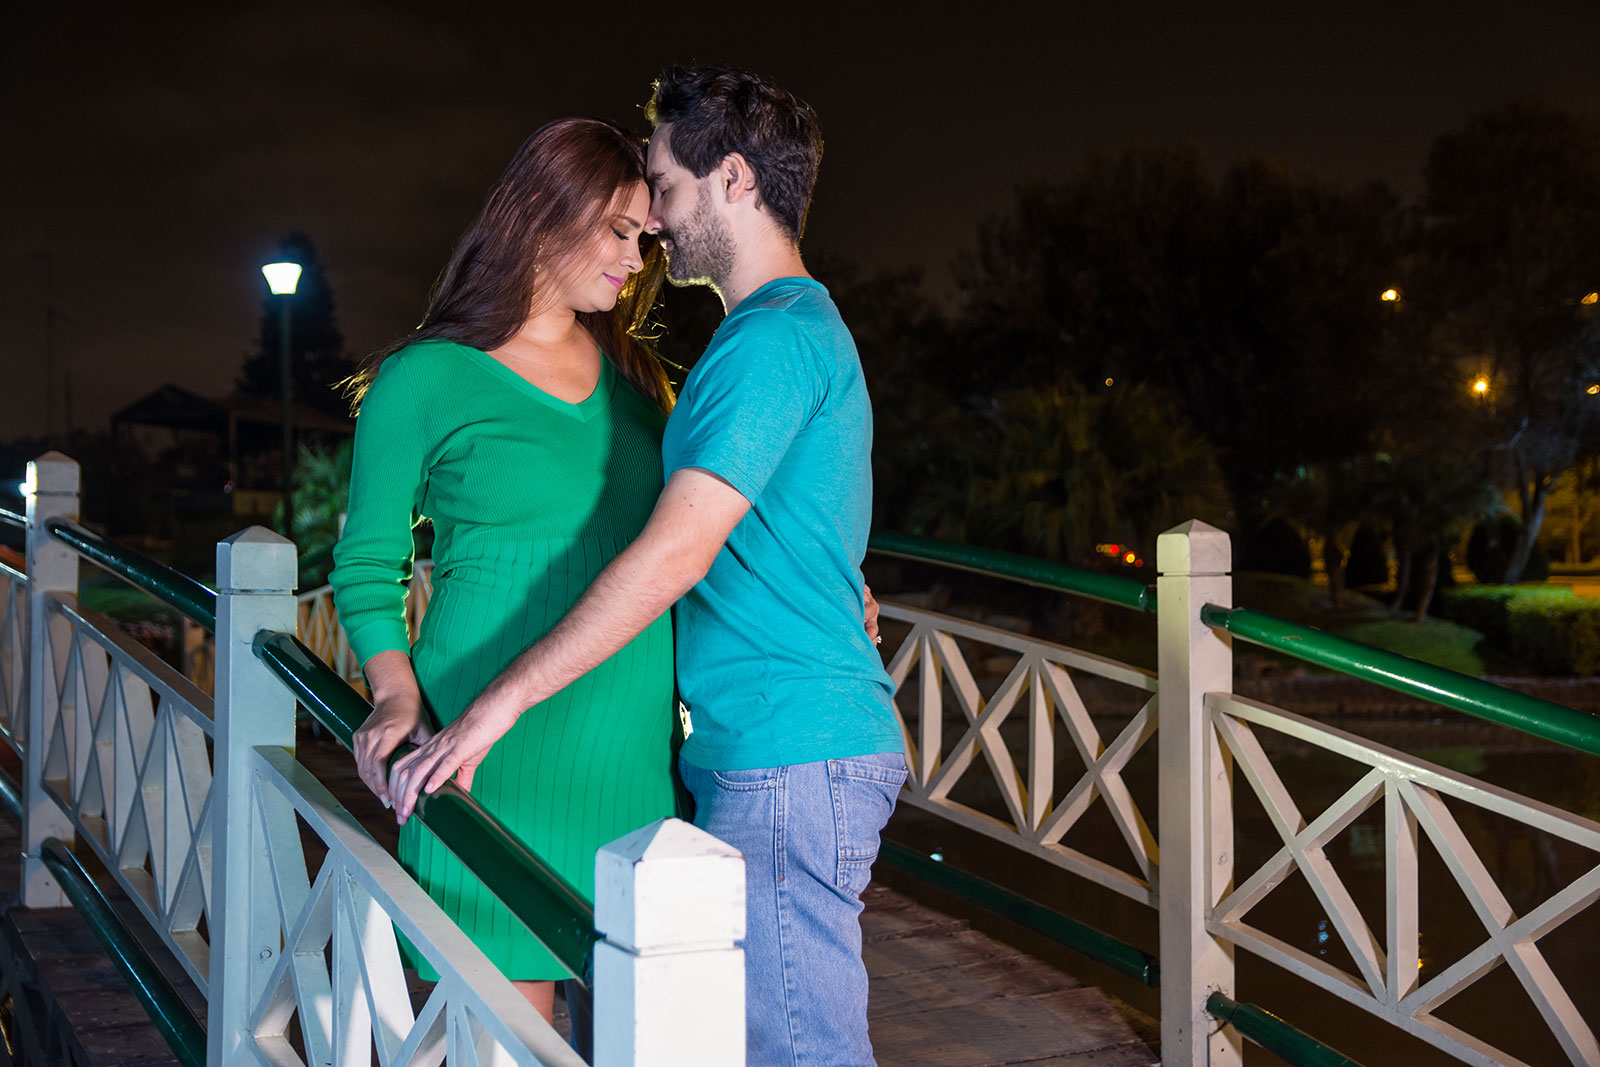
{"points": [[809, 834]]}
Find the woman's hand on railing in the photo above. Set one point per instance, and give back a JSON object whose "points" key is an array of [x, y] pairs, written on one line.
{"points": [[397, 717]]}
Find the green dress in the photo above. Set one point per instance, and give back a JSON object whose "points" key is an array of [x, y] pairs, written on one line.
{"points": [[530, 497]]}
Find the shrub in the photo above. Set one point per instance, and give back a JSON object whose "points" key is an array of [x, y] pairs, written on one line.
{"points": [[1276, 548], [1547, 629], [1561, 636]]}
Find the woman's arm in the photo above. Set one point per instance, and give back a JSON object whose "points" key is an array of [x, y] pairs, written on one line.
{"points": [[397, 717], [372, 563]]}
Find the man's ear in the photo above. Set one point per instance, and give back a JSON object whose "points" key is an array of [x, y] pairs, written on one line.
{"points": [[737, 179]]}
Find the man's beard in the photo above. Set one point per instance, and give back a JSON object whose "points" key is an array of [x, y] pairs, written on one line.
{"points": [[702, 248]]}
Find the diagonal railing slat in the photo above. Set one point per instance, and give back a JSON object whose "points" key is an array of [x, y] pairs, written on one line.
{"points": [[552, 909]]}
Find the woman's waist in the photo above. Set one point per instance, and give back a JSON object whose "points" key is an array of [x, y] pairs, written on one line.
{"points": [[465, 552]]}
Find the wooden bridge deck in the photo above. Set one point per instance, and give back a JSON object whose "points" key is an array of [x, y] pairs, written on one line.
{"points": [[943, 994]]}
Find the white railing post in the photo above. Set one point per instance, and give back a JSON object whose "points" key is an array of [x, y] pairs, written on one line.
{"points": [[1193, 562], [52, 493], [256, 576], [669, 976]]}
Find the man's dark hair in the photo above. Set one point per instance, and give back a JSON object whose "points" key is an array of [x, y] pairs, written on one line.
{"points": [[715, 111]]}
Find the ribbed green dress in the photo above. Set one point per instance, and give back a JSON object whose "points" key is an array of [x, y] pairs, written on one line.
{"points": [[530, 497]]}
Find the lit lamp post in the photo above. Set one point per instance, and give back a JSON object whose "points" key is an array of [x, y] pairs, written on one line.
{"points": [[282, 279]]}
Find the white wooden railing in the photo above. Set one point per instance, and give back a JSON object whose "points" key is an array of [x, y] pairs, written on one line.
{"points": [[278, 906], [982, 754], [1207, 735], [1208, 740]]}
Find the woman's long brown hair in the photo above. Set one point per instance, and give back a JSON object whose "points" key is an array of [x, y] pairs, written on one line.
{"points": [[556, 193]]}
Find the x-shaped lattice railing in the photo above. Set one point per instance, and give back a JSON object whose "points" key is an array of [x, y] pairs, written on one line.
{"points": [[13, 657], [1413, 793], [353, 1001], [127, 759], [1039, 681]]}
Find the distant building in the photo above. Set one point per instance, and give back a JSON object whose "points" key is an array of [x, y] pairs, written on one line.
{"points": [[219, 457]]}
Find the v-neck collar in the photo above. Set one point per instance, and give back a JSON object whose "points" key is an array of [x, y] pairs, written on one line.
{"points": [[583, 410]]}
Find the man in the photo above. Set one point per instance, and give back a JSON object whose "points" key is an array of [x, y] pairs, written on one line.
{"points": [[795, 756]]}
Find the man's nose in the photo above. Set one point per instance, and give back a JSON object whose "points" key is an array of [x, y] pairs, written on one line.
{"points": [[652, 221]]}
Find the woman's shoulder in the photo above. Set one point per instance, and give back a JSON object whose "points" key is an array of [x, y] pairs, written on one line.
{"points": [[430, 358]]}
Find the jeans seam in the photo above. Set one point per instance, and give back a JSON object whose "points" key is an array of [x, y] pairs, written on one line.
{"points": [[781, 895]]}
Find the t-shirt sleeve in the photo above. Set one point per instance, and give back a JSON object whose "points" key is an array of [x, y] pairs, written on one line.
{"points": [[372, 561], [747, 404]]}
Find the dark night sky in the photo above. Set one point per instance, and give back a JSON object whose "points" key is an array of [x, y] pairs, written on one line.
{"points": [[158, 158]]}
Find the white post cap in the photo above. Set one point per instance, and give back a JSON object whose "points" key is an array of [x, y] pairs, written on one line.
{"points": [[669, 886]]}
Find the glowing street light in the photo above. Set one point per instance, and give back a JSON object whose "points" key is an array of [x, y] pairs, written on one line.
{"points": [[282, 279], [1590, 298], [1389, 296], [1480, 385], [1593, 390]]}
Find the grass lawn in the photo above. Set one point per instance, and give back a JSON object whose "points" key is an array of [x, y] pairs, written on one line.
{"points": [[1359, 618], [1443, 644]]}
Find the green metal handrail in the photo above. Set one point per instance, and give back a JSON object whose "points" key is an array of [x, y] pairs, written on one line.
{"points": [[1111, 588], [171, 1014], [169, 1011], [1275, 1035], [1119, 955], [171, 587], [1462, 692], [10, 798], [549, 906]]}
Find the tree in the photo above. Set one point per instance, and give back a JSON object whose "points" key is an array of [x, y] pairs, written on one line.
{"points": [[1513, 199], [317, 357], [321, 497], [911, 366], [1428, 500], [1053, 472], [1253, 301]]}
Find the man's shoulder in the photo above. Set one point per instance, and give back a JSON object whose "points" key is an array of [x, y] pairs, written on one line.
{"points": [[794, 314]]}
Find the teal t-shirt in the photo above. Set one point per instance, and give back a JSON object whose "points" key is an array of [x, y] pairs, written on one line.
{"points": [[774, 662]]}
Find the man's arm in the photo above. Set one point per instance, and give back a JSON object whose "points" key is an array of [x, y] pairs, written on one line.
{"points": [[692, 519]]}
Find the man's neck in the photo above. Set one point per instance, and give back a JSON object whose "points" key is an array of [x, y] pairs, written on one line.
{"points": [[755, 263]]}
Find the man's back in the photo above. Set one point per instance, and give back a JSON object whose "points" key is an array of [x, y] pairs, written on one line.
{"points": [[773, 660]]}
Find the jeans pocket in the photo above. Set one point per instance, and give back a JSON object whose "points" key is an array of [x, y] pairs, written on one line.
{"points": [[747, 780], [864, 790]]}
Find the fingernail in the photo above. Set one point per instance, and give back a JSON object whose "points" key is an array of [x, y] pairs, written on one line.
{"points": [[386, 802]]}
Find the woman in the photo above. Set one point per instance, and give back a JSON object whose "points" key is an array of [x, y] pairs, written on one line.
{"points": [[523, 417]]}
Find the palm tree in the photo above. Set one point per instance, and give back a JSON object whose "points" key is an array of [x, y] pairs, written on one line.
{"points": [[321, 497]]}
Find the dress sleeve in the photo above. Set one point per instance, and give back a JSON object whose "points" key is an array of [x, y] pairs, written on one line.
{"points": [[372, 561], [746, 407]]}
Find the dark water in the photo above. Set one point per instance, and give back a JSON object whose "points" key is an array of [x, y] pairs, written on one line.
{"points": [[1528, 865]]}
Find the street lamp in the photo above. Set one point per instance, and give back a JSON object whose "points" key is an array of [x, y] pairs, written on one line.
{"points": [[1390, 296], [282, 279], [1480, 385]]}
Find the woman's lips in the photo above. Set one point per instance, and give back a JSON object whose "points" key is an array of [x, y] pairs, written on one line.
{"points": [[613, 280]]}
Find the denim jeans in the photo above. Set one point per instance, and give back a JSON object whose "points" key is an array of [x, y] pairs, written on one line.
{"points": [[809, 834]]}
